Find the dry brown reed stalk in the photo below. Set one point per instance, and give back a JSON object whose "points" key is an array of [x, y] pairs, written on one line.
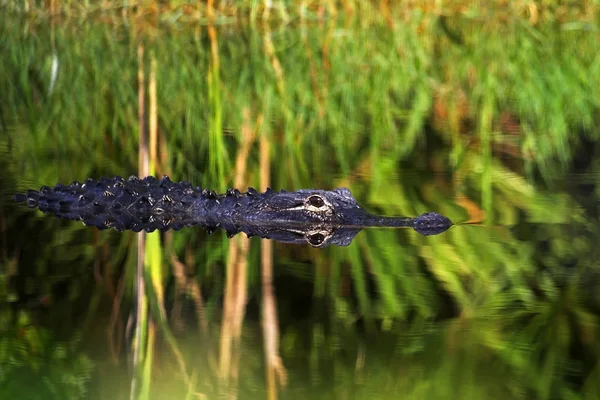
{"points": [[143, 149], [210, 9], [237, 263], [163, 161], [316, 86], [384, 9], [196, 293], [185, 283], [141, 244], [102, 278], [270, 323], [277, 68], [153, 128], [115, 328], [189, 286]]}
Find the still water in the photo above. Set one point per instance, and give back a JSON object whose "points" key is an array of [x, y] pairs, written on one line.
{"points": [[502, 305]]}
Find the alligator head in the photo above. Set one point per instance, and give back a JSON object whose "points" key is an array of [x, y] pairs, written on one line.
{"points": [[330, 207]]}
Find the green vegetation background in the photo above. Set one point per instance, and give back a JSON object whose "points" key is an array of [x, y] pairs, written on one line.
{"points": [[449, 108]]}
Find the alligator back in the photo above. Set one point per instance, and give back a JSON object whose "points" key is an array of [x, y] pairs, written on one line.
{"points": [[136, 204]]}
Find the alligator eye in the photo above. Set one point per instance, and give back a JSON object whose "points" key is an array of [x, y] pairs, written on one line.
{"points": [[316, 239], [316, 201]]}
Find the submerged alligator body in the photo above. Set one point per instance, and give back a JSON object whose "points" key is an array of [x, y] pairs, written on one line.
{"points": [[317, 217]]}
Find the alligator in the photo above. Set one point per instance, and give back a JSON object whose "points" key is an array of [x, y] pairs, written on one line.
{"points": [[313, 216]]}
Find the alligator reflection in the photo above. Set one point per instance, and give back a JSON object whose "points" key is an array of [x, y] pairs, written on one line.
{"points": [[316, 217]]}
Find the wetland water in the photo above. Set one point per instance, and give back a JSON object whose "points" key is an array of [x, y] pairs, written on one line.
{"points": [[497, 131]]}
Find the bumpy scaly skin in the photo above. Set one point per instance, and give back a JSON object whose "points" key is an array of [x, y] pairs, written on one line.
{"points": [[318, 217], [136, 204]]}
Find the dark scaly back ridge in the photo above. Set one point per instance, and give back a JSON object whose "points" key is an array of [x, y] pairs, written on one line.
{"points": [[136, 204]]}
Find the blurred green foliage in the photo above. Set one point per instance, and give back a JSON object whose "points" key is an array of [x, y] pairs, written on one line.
{"points": [[34, 365], [459, 110]]}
